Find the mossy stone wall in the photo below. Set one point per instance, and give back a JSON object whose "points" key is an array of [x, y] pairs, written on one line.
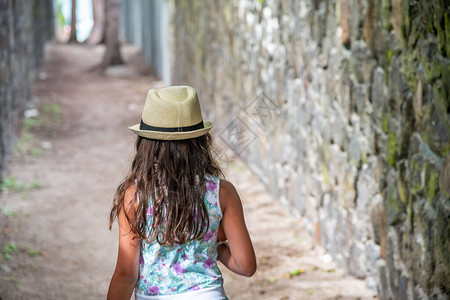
{"points": [[342, 109]]}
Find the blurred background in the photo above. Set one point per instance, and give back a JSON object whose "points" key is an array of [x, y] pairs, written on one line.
{"points": [[332, 117]]}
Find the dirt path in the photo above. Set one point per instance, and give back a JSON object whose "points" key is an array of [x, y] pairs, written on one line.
{"points": [[54, 207]]}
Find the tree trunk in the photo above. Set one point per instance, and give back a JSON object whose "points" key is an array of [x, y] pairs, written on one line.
{"points": [[97, 35], [112, 52], [73, 23]]}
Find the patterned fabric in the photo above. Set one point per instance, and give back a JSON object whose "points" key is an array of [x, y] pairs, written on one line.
{"points": [[168, 270]]}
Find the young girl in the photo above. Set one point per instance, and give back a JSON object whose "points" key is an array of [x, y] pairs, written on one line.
{"points": [[173, 210]]}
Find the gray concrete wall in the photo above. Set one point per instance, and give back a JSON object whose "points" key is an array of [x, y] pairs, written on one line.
{"points": [[342, 109], [24, 27], [145, 23]]}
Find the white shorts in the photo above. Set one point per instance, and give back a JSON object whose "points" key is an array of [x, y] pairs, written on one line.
{"points": [[214, 293]]}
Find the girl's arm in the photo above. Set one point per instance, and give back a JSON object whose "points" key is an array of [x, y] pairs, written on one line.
{"points": [[239, 255], [127, 267]]}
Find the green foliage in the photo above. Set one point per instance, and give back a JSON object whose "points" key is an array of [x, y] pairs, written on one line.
{"points": [[296, 272], [36, 185], [29, 123], [59, 13], [9, 249], [446, 38], [409, 66], [32, 253], [386, 14], [430, 60], [410, 209], [51, 111], [392, 148], [385, 123], [364, 158], [24, 140], [430, 188], [445, 89], [402, 190], [406, 25], [9, 213], [12, 184], [429, 24], [50, 116], [387, 62], [35, 151], [325, 173], [27, 136]]}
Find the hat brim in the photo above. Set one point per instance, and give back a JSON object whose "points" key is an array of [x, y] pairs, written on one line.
{"points": [[160, 135]]}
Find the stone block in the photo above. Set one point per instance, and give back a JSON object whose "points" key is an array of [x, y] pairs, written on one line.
{"points": [[436, 127], [366, 186], [337, 121], [398, 85], [423, 169], [378, 220], [356, 263], [384, 283], [430, 58], [360, 96], [360, 62], [395, 208], [424, 220], [378, 96], [402, 291], [372, 254]]}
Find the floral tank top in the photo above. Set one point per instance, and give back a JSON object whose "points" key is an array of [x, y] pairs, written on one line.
{"points": [[168, 270]]}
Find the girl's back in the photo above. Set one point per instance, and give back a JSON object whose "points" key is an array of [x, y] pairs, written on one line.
{"points": [[172, 206], [181, 268]]}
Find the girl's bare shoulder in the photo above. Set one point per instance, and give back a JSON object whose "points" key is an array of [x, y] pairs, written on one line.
{"points": [[129, 197], [227, 194], [226, 187], [129, 192]]}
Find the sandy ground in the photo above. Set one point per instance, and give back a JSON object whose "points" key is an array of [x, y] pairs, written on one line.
{"points": [[54, 212]]}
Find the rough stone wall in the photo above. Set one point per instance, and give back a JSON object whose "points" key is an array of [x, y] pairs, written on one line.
{"points": [[24, 27], [342, 109]]}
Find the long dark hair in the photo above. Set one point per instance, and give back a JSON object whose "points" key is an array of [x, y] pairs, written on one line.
{"points": [[172, 174]]}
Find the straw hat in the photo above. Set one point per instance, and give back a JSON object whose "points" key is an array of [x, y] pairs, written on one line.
{"points": [[172, 113]]}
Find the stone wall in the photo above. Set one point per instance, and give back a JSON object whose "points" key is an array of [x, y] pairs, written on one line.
{"points": [[24, 27], [342, 109]]}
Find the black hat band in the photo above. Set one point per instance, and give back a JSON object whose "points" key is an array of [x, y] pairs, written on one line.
{"points": [[197, 126]]}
